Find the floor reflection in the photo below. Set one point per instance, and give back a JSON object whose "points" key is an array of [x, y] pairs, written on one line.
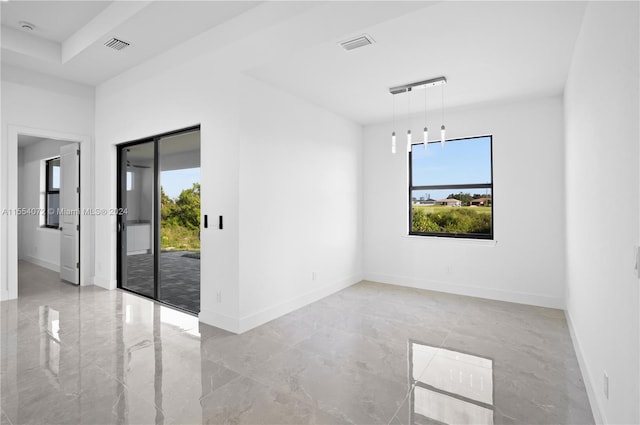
{"points": [[49, 320], [449, 386]]}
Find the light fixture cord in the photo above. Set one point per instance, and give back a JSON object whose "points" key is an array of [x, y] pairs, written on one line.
{"points": [[409, 107], [394, 111], [425, 107]]}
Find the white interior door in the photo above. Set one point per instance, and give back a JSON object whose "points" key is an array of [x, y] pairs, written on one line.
{"points": [[69, 213]]}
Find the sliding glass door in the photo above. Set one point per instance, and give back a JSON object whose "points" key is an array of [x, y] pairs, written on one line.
{"points": [[159, 229]]}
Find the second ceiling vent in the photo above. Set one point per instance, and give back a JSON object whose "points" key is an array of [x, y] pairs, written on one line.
{"points": [[117, 44], [357, 42]]}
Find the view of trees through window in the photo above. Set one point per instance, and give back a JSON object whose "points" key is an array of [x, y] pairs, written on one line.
{"points": [[451, 189], [180, 220]]}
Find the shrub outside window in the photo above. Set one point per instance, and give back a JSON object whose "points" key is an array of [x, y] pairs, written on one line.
{"points": [[451, 189]]}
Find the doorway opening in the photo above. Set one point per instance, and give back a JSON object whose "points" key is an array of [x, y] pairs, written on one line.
{"points": [[159, 218], [48, 213]]}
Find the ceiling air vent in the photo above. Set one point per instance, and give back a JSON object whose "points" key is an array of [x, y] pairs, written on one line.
{"points": [[116, 44], [354, 43]]}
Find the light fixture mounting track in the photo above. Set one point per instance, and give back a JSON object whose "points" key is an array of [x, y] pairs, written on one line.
{"points": [[418, 85]]}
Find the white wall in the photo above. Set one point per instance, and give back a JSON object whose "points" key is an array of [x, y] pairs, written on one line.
{"points": [[265, 155], [38, 245], [300, 205], [43, 106], [525, 262], [601, 109]]}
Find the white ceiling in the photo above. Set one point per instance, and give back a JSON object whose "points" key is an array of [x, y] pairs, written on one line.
{"points": [[489, 51], [69, 36], [70, 16]]}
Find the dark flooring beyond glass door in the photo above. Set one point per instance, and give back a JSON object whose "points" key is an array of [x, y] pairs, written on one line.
{"points": [[180, 271]]}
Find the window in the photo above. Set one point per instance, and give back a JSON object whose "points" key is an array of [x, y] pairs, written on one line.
{"points": [[451, 189], [52, 193], [130, 181]]}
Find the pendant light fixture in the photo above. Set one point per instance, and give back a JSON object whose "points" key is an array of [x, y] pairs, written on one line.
{"points": [[393, 142], [425, 132], [393, 134], [442, 129], [409, 119], [408, 88]]}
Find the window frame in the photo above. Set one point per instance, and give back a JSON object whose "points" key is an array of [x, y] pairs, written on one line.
{"points": [[48, 190], [411, 187]]}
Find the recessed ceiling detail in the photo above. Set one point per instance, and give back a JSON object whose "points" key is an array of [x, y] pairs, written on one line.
{"points": [[116, 44], [355, 43]]}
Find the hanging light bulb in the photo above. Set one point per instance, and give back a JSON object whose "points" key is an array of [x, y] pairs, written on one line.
{"points": [[409, 119], [393, 142], [425, 137], [442, 129], [393, 134], [425, 132]]}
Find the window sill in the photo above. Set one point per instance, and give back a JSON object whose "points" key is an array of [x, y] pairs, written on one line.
{"points": [[454, 241], [49, 229]]}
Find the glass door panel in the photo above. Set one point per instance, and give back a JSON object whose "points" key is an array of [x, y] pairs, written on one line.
{"points": [[179, 255], [137, 200]]}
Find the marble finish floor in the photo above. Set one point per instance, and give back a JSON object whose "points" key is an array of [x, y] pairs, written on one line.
{"points": [[370, 354]]}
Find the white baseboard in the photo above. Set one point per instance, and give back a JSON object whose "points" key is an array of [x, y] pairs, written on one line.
{"points": [[472, 291], [256, 319], [273, 312], [590, 385], [43, 263], [219, 321], [105, 282]]}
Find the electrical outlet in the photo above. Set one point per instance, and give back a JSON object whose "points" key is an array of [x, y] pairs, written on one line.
{"points": [[606, 385], [219, 297], [314, 276]]}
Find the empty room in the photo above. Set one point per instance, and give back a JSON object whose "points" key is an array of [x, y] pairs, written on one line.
{"points": [[331, 212]]}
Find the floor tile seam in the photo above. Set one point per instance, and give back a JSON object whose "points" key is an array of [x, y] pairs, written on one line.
{"points": [[514, 346], [330, 327], [270, 387], [516, 420], [223, 387], [7, 418], [349, 367], [221, 362], [31, 318], [406, 397], [128, 389], [313, 333], [283, 389], [526, 327], [151, 403], [279, 389], [357, 334]]}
